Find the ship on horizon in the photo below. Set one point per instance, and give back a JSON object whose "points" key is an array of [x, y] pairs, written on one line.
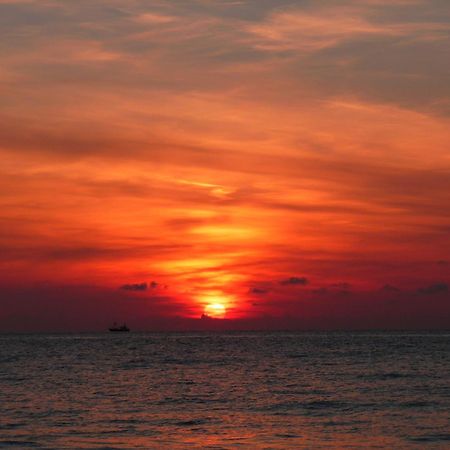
{"points": [[116, 327]]}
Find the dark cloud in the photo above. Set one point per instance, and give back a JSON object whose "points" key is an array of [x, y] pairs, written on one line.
{"points": [[206, 317], [258, 291], [344, 292], [135, 287], [341, 285], [443, 262], [437, 288], [302, 281], [390, 288], [154, 285]]}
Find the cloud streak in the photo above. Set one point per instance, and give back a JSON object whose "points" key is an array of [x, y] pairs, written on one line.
{"points": [[331, 26], [137, 287]]}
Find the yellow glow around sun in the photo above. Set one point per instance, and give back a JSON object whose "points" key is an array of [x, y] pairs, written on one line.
{"points": [[215, 310]]}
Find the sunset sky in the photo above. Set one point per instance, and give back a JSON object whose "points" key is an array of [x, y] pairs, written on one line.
{"points": [[279, 164]]}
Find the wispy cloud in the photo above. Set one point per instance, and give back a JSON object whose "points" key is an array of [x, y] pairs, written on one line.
{"points": [[313, 30]]}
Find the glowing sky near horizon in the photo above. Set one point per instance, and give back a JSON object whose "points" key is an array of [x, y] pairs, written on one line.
{"points": [[278, 158]]}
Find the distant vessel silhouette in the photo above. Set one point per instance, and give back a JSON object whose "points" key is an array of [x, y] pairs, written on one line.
{"points": [[116, 327]]}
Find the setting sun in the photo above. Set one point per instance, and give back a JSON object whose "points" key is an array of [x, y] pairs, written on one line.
{"points": [[215, 310]]}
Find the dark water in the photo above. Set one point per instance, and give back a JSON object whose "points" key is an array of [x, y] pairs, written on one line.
{"points": [[246, 390]]}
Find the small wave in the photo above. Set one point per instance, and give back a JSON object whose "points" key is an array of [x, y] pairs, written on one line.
{"points": [[186, 382], [107, 448], [325, 404], [13, 425], [135, 364], [430, 438], [311, 407], [287, 435], [124, 421], [386, 376], [416, 404], [13, 379], [20, 444], [192, 422], [345, 423], [192, 400]]}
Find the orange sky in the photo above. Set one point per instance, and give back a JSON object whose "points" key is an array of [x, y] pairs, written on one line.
{"points": [[284, 163]]}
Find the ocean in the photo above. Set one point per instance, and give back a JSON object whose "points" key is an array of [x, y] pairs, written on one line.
{"points": [[252, 390]]}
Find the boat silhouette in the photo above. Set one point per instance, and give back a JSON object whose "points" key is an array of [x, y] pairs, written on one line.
{"points": [[116, 327]]}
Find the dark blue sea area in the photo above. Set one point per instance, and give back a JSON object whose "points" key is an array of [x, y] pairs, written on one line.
{"points": [[254, 390]]}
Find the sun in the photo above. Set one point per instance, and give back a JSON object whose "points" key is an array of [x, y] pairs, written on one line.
{"points": [[215, 310]]}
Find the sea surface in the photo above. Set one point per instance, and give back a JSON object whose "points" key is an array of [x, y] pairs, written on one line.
{"points": [[225, 391]]}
